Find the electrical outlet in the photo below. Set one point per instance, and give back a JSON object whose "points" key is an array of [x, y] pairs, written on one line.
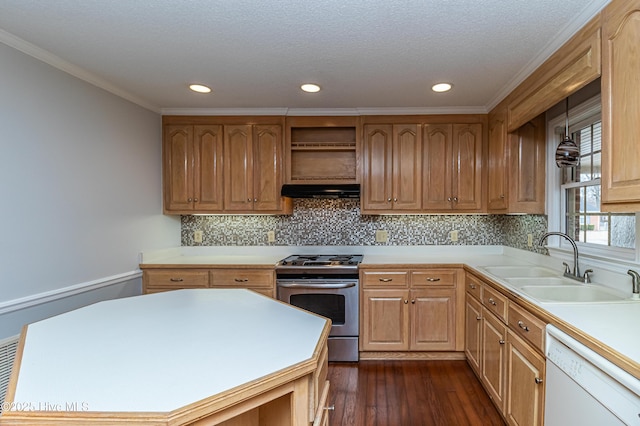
{"points": [[271, 236], [197, 236], [530, 240], [453, 235], [382, 236]]}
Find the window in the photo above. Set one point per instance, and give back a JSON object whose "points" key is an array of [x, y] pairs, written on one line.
{"points": [[581, 185], [579, 188]]}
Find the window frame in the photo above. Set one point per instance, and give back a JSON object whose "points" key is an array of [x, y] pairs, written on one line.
{"points": [[556, 196]]}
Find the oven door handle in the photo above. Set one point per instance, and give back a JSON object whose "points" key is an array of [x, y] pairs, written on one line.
{"points": [[316, 286]]}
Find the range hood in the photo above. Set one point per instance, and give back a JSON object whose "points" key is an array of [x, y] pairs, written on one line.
{"points": [[321, 190]]}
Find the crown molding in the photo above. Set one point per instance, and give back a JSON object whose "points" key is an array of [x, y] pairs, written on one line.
{"points": [[224, 111], [310, 112], [69, 68]]}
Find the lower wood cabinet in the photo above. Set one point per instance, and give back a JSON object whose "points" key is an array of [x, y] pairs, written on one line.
{"points": [[165, 279], [505, 346], [411, 310]]}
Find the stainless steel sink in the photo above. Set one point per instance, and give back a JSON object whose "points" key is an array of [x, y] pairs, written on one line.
{"points": [[520, 271], [573, 293]]}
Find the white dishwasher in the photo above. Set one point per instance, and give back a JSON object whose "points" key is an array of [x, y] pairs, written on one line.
{"points": [[583, 388]]}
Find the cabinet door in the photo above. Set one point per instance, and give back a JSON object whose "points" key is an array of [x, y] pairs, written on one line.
{"points": [[620, 106], [385, 320], [207, 171], [494, 352], [437, 167], [433, 320], [498, 154], [467, 166], [407, 175], [267, 168], [377, 167], [473, 333], [238, 168], [525, 387], [178, 167], [527, 168]]}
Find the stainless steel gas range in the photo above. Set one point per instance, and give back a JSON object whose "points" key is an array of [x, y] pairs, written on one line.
{"points": [[326, 285]]}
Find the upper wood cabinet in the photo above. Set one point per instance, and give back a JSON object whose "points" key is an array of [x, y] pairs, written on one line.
{"points": [[621, 106], [392, 168], [253, 168], [192, 168], [517, 164], [452, 167], [221, 164]]}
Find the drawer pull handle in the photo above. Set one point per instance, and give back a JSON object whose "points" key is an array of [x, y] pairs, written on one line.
{"points": [[176, 280], [538, 380], [501, 341], [478, 318], [523, 326], [493, 302], [472, 286], [433, 280], [385, 280], [241, 280], [330, 408]]}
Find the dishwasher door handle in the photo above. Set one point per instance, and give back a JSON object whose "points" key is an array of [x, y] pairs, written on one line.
{"points": [[316, 286]]}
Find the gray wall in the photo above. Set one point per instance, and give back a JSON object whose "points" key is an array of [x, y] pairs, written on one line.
{"points": [[81, 182]]}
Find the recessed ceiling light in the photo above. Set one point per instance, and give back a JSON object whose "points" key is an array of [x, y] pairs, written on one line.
{"points": [[441, 87], [200, 88], [310, 88]]}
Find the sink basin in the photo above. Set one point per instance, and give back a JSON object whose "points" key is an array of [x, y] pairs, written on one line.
{"points": [[577, 293], [520, 271], [540, 281]]}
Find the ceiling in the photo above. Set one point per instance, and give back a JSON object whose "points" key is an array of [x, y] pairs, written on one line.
{"points": [[369, 56]]}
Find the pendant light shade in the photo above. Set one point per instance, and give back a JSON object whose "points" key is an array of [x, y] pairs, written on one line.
{"points": [[567, 153]]}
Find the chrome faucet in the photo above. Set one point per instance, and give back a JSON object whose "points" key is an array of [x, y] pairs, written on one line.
{"points": [[575, 274], [635, 280]]}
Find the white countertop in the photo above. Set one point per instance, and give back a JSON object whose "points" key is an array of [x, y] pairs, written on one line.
{"points": [[159, 352], [613, 324]]}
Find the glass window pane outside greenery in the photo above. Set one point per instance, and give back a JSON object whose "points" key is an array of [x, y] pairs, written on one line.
{"points": [[584, 221]]}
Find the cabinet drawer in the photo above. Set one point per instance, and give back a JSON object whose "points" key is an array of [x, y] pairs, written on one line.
{"points": [[242, 278], [434, 277], [473, 286], [495, 302], [527, 326], [175, 278], [385, 279]]}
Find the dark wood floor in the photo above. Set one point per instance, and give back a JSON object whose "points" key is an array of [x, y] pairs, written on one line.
{"points": [[408, 393]]}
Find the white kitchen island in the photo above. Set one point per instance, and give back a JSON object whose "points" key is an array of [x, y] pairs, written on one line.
{"points": [[203, 356]]}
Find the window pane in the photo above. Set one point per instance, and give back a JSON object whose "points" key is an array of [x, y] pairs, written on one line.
{"points": [[586, 173], [623, 231], [596, 232], [592, 194], [597, 165]]}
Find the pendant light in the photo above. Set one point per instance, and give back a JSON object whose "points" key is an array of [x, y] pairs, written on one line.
{"points": [[567, 153]]}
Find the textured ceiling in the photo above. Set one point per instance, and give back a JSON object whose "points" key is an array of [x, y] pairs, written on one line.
{"points": [[376, 54]]}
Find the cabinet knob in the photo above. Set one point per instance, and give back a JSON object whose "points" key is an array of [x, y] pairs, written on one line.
{"points": [[538, 380], [501, 341], [388, 200], [255, 200], [248, 200], [189, 199], [502, 196], [492, 302], [449, 199], [413, 301], [455, 199], [523, 326], [195, 200], [472, 286], [395, 200], [406, 301]]}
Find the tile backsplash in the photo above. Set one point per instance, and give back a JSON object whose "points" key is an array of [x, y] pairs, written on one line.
{"points": [[338, 222]]}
